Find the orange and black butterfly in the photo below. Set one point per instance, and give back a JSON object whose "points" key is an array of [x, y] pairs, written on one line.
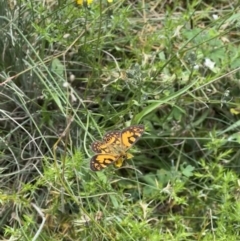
{"points": [[114, 146]]}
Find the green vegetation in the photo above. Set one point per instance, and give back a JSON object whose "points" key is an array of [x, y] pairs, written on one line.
{"points": [[71, 73]]}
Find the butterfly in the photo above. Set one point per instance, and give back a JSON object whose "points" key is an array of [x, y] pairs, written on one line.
{"points": [[114, 146]]}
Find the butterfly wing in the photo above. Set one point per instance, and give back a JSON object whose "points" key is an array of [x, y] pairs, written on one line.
{"points": [[110, 140], [130, 135], [101, 161]]}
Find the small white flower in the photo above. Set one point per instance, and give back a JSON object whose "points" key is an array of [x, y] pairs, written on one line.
{"points": [[71, 77], [66, 84], [209, 63], [66, 35], [196, 66]]}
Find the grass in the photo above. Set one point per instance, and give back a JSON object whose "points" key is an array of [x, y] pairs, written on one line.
{"points": [[71, 73]]}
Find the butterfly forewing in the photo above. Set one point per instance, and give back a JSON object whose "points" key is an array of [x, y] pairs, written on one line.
{"points": [[110, 139], [131, 135]]}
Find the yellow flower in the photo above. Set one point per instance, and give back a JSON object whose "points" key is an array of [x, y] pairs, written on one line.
{"points": [[81, 2], [88, 2], [235, 111]]}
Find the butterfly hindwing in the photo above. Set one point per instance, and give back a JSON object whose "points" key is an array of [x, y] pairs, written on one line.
{"points": [[100, 161]]}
